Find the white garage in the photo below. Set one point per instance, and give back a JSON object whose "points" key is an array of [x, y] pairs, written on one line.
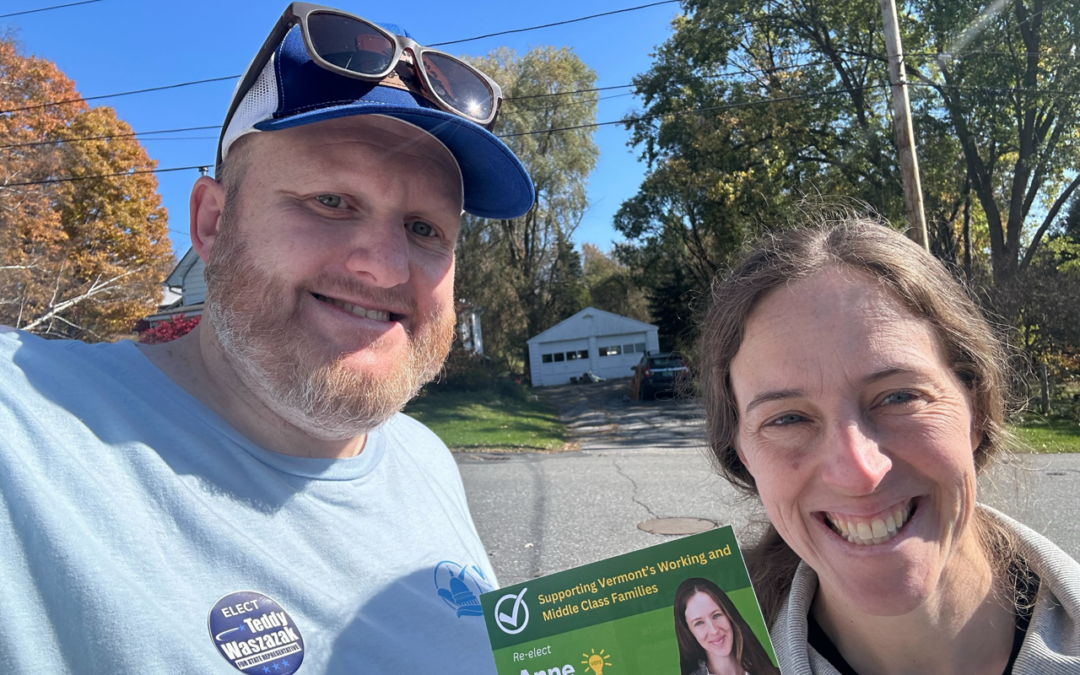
{"points": [[593, 340]]}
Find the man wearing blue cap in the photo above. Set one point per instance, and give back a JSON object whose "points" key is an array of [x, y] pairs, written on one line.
{"points": [[248, 498]]}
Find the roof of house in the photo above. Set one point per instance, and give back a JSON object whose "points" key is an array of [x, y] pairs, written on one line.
{"points": [[176, 277], [590, 321]]}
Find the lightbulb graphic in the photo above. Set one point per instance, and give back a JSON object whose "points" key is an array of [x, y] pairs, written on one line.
{"points": [[596, 662]]}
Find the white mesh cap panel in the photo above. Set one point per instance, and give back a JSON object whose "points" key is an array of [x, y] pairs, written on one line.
{"points": [[259, 104]]}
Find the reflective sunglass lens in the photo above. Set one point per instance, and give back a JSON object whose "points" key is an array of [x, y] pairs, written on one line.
{"points": [[458, 86], [350, 44]]}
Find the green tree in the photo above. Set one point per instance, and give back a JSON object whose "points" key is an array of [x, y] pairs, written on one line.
{"points": [[792, 99], [523, 273], [78, 258], [611, 286], [671, 290], [1006, 85]]}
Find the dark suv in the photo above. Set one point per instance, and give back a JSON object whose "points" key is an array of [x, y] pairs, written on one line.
{"points": [[657, 374]]}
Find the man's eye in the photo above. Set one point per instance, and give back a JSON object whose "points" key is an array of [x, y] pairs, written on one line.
{"points": [[331, 201], [420, 228]]}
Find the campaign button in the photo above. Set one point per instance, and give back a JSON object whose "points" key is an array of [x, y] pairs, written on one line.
{"points": [[255, 634]]}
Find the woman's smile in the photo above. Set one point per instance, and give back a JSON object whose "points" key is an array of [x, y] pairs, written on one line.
{"points": [[877, 528]]}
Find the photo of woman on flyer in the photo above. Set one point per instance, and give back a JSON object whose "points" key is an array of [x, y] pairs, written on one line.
{"points": [[713, 637]]}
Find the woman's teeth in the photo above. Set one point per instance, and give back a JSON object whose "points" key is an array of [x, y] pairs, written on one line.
{"points": [[357, 309], [877, 530]]}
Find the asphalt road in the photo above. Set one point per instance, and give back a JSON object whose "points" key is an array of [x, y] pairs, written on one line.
{"points": [[542, 513]]}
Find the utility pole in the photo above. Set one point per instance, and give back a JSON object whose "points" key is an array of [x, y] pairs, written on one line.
{"points": [[905, 136]]}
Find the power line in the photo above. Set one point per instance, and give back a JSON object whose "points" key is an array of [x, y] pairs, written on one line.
{"points": [[109, 136], [551, 25], [1032, 16], [996, 90], [69, 179], [45, 9], [553, 107], [118, 94], [568, 93], [698, 111], [984, 52], [183, 138], [744, 71]]}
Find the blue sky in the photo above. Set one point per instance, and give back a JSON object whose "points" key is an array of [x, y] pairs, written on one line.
{"points": [[120, 45]]}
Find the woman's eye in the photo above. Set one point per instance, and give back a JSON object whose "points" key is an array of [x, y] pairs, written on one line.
{"points": [[787, 419], [899, 397], [420, 228], [331, 201]]}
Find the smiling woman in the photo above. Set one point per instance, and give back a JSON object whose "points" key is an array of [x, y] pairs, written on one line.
{"points": [[852, 384], [713, 637]]}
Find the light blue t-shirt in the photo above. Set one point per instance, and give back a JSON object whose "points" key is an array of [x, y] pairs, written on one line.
{"points": [[140, 533]]}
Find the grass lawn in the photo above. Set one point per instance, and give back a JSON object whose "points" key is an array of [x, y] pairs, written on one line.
{"points": [[1049, 435], [483, 420]]}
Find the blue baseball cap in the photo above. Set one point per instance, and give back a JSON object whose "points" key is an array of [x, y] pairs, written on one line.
{"points": [[293, 90]]}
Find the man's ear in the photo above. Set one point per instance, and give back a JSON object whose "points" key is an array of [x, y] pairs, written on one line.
{"points": [[205, 208]]}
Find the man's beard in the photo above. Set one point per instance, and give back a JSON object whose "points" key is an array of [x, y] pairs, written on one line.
{"points": [[263, 341]]}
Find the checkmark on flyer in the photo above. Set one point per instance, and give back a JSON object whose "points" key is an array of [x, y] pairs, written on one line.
{"points": [[512, 619], [509, 622]]}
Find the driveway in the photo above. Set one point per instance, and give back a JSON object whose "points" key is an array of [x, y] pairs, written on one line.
{"points": [[601, 416], [540, 513]]}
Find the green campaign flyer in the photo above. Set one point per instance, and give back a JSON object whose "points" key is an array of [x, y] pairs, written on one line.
{"points": [[678, 607]]}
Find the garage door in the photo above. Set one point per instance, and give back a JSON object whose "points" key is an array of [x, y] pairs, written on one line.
{"points": [[559, 361], [618, 354]]}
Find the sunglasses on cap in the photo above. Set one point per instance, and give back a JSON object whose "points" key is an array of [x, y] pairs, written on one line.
{"points": [[354, 47]]}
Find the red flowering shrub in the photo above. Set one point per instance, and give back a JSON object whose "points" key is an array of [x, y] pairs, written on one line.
{"points": [[167, 331]]}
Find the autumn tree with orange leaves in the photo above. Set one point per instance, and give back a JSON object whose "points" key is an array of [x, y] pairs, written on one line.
{"points": [[81, 258]]}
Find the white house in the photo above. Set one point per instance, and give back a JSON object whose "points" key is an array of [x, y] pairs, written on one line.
{"points": [[185, 290], [593, 340]]}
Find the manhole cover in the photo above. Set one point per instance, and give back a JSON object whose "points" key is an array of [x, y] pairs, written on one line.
{"points": [[676, 525]]}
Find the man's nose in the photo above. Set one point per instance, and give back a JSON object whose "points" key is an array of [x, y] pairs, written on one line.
{"points": [[379, 254], [855, 462]]}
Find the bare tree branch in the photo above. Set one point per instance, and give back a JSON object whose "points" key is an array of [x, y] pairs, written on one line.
{"points": [[96, 288], [1048, 221]]}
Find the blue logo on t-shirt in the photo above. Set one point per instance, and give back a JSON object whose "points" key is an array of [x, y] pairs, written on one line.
{"points": [[460, 587], [256, 635]]}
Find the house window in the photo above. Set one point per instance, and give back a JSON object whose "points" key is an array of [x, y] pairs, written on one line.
{"points": [[613, 350], [602, 351], [639, 347], [628, 349], [571, 356], [559, 356], [546, 358], [583, 354]]}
